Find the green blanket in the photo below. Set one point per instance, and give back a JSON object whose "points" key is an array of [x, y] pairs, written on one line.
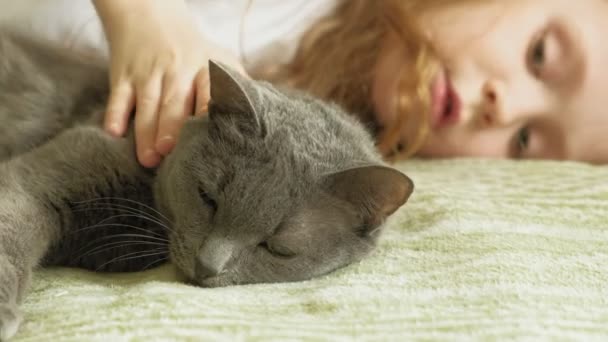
{"points": [[484, 250]]}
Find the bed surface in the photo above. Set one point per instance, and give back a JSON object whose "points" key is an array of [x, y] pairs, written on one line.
{"points": [[483, 250]]}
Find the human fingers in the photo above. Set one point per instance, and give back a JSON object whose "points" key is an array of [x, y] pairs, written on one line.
{"points": [[146, 119], [118, 110], [176, 106]]}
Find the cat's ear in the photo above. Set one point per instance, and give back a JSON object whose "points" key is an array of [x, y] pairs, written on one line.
{"points": [[374, 191], [230, 94]]}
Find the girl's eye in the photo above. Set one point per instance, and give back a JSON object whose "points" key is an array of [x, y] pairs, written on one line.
{"points": [[522, 141], [538, 55]]}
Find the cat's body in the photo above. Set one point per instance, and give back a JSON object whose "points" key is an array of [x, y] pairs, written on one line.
{"points": [[270, 187], [44, 93]]}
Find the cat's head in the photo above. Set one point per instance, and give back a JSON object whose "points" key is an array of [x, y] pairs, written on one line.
{"points": [[273, 187]]}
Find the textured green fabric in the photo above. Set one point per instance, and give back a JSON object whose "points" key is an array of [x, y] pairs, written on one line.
{"points": [[484, 250]]}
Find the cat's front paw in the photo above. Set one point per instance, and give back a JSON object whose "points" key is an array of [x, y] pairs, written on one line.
{"points": [[10, 319]]}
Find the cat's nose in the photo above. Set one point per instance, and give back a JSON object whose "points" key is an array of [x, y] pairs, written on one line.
{"points": [[213, 257], [205, 270]]}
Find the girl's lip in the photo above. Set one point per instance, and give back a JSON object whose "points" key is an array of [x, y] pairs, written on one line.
{"points": [[446, 105]]}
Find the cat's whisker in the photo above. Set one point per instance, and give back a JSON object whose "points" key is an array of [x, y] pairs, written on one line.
{"points": [[154, 262], [150, 208], [127, 210], [118, 225], [112, 206], [103, 222], [108, 237], [131, 201], [98, 204], [133, 255], [140, 236], [117, 244], [134, 212], [371, 245]]}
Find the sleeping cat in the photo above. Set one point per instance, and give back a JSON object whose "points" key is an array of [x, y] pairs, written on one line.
{"points": [[272, 186]]}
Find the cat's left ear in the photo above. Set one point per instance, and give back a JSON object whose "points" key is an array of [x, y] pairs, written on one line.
{"points": [[375, 192], [230, 95]]}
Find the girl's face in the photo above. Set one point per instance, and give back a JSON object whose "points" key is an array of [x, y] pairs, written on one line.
{"points": [[516, 79]]}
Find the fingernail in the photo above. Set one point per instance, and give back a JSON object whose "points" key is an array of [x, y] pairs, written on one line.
{"points": [[165, 144], [151, 158], [114, 129], [202, 111]]}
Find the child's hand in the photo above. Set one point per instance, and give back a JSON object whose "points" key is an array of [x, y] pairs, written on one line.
{"points": [[158, 66]]}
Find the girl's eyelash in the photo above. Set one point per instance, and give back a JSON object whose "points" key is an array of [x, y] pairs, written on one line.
{"points": [[537, 54]]}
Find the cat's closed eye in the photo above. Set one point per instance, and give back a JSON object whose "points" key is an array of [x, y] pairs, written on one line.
{"points": [[207, 200], [277, 250]]}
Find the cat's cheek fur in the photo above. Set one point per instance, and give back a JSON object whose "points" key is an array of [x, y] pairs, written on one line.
{"points": [[179, 256], [174, 180], [180, 202]]}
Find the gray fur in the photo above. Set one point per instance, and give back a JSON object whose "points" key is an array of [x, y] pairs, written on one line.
{"points": [[273, 186]]}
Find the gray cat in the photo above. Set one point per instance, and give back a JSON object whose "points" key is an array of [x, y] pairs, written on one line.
{"points": [[272, 186]]}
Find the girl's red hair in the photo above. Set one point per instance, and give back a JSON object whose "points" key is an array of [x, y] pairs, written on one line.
{"points": [[336, 57]]}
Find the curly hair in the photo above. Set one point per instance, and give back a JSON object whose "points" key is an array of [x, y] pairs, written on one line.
{"points": [[336, 57]]}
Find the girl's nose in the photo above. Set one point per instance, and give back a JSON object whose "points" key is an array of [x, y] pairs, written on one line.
{"points": [[505, 105], [493, 106]]}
